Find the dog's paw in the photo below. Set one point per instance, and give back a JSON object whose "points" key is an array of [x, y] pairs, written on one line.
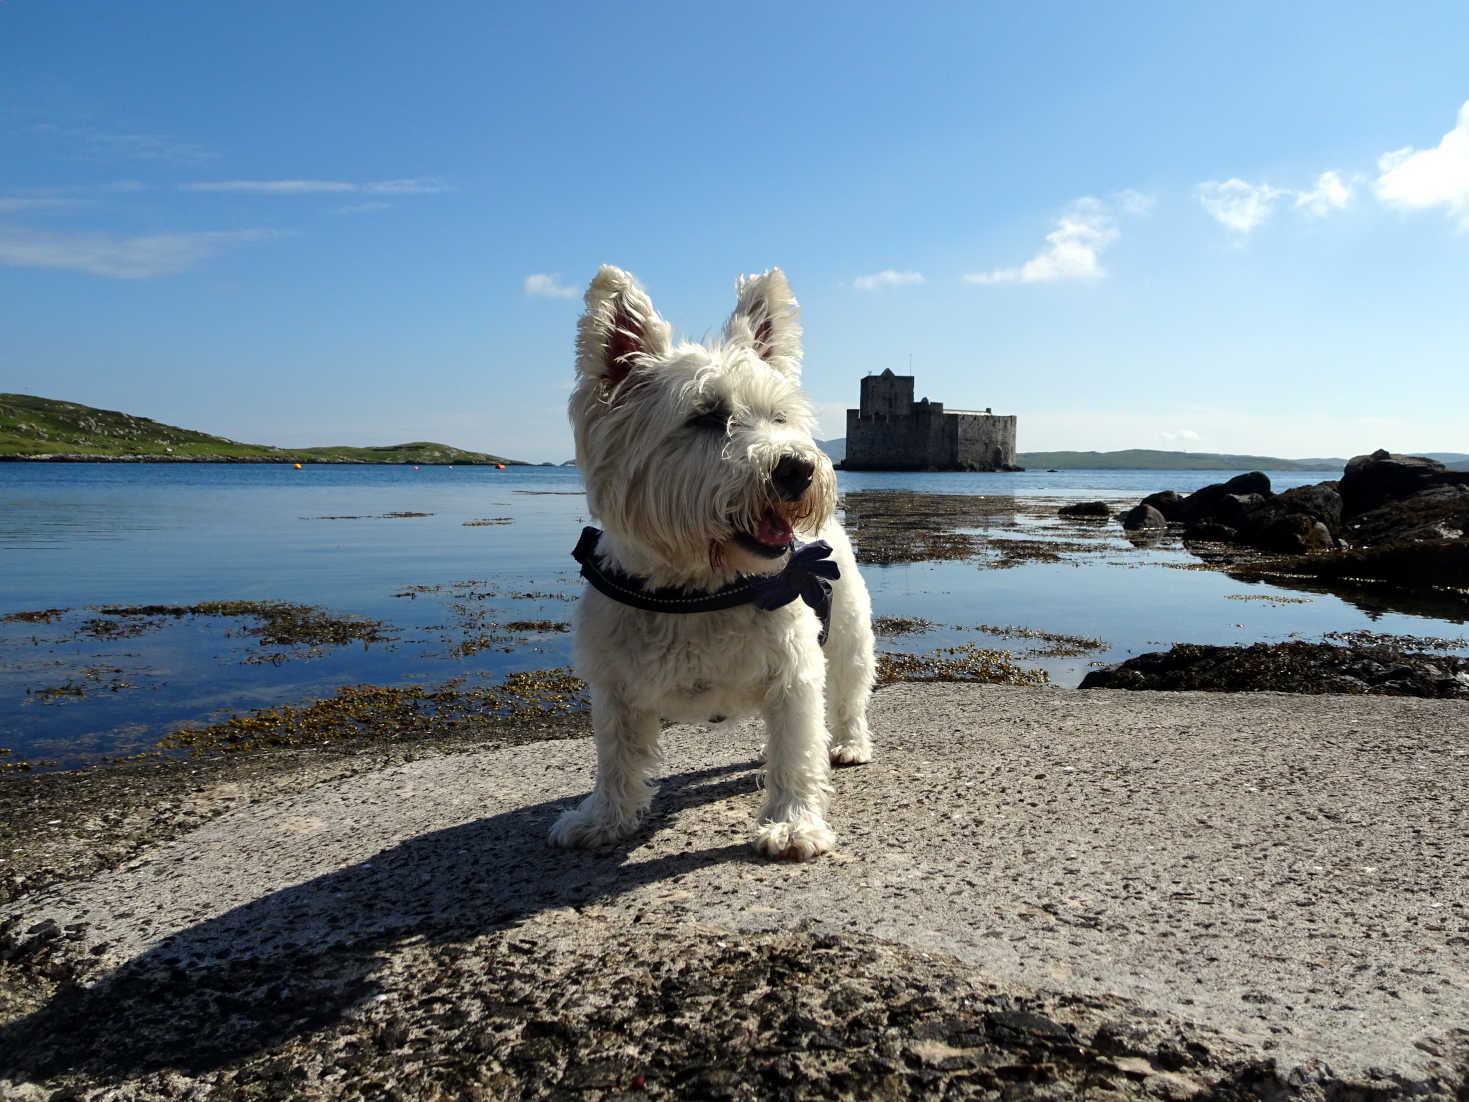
{"points": [[583, 828], [853, 753], [797, 841]]}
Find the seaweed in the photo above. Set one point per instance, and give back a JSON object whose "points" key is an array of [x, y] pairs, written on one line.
{"points": [[278, 622], [38, 616], [966, 662], [395, 712]]}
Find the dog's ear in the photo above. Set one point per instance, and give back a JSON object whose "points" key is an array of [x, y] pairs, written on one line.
{"points": [[768, 318], [619, 328]]}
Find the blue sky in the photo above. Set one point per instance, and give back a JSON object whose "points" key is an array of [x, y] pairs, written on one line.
{"points": [[1237, 228]]}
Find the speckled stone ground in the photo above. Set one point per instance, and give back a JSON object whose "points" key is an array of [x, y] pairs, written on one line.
{"points": [[1036, 892]]}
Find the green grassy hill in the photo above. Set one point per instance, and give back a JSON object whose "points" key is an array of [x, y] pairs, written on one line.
{"points": [[44, 428], [1149, 460]]}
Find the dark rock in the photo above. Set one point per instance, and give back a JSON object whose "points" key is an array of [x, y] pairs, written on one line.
{"points": [[1440, 512], [1167, 502], [1414, 566], [1238, 511], [1202, 504], [1296, 667], [1371, 480], [1085, 509], [1320, 502], [1252, 482], [1403, 520], [1210, 531], [1142, 518], [1294, 534]]}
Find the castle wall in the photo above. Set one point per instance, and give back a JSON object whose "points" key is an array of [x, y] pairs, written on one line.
{"points": [[983, 441], [886, 444], [887, 395], [892, 432]]}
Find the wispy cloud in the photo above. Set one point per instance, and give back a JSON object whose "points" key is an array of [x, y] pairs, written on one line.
{"points": [[1236, 204], [1420, 179], [886, 278], [1134, 202], [418, 185], [1329, 194], [25, 204], [366, 207], [541, 285], [1072, 250], [121, 257], [1243, 207], [132, 145], [1180, 436], [271, 187]]}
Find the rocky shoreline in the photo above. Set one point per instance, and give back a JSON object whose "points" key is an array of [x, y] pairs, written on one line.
{"points": [[1294, 667], [1392, 519]]}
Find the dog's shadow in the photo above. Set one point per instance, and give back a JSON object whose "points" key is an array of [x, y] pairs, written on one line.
{"points": [[298, 959]]}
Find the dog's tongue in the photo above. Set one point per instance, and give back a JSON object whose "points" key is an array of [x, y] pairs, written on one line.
{"points": [[773, 530]]}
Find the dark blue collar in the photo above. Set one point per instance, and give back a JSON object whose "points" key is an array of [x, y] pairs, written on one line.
{"points": [[808, 575]]}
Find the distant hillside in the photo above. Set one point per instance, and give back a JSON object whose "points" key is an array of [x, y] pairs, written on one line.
{"points": [[43, 428], [1145, 459], [1461, 465], [836, 450], [1141, 459]]}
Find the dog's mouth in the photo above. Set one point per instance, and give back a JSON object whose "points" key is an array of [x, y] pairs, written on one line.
{"points": [[771, 537]]}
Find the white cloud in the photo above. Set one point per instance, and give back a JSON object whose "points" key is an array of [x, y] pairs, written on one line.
{"points": [[1181, 436], [1242, 206], [545, 286], [1419, 179], [1071, 252], [1239, 205], [1329, 194], [121, 257], [886, 278]]}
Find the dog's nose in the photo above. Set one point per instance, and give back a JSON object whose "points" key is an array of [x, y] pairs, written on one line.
{"points": [[791, 476]]}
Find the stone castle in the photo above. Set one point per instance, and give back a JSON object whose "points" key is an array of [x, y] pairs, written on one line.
{"points": [[892, 432]]}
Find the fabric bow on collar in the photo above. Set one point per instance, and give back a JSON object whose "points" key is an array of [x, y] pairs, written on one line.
{"points": [[807, 575]]}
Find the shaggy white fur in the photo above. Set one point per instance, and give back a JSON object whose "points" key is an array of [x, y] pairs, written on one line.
{"points": [[699, 461]]}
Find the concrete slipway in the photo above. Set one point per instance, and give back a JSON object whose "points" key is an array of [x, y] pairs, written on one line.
{"points": [[1291, 873]]}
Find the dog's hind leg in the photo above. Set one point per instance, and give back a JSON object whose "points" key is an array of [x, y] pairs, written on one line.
{"points": [[627, 754], [797, 775]]}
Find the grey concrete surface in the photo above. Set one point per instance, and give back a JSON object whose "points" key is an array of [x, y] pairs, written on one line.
{"points": [[1292, 872]]}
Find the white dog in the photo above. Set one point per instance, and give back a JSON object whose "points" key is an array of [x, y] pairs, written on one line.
{"points": [[703, 603]]}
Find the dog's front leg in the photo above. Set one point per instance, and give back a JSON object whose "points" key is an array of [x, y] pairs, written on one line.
{"points": [[627, 753], [797, 775]]}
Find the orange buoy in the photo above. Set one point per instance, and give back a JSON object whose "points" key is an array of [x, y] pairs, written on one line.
{"points": [[298, 466], [499, 466]]}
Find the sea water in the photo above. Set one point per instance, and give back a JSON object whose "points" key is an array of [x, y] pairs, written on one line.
{"points": [[446, 557]]}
